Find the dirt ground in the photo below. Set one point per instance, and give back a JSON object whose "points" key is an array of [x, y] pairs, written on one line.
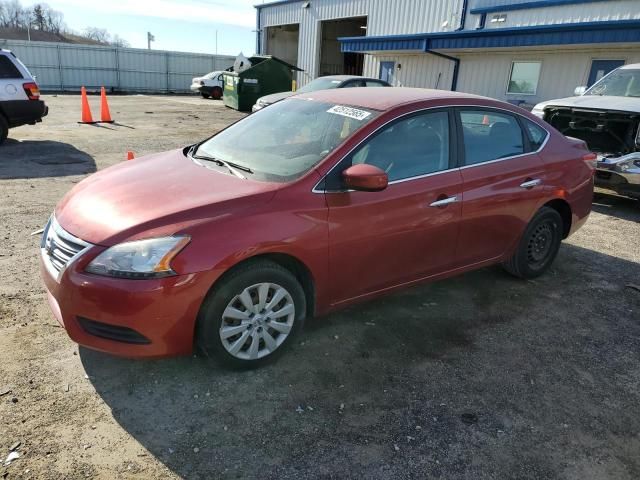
{"points": [[477, 377]]}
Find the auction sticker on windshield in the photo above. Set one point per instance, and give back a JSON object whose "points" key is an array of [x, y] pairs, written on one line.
{"points": [[349, 112]]}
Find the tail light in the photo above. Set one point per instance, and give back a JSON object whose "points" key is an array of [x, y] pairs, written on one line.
{"points": [[591, 159], [32, 90]]}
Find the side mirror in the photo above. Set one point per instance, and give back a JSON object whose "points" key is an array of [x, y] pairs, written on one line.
{"points": [[579, 91], [365, 178]]}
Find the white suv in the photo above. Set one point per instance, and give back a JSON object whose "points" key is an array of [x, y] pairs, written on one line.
{"points": [[20, 102]]}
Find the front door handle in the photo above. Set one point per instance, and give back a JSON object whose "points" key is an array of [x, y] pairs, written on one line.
{"points": [[531, 183], [444, 202]]}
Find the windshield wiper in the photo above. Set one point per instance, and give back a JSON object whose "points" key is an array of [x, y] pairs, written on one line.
{"points": [[232, 167]]}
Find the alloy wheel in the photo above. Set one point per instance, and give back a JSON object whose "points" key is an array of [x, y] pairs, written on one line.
{"points": [[257, 321]]}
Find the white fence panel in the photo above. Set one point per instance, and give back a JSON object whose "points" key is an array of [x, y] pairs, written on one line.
{"points": [[60, 66]]}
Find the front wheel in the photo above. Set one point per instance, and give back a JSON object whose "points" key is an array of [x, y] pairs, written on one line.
{"points": [[252, 315], [539, 245]]}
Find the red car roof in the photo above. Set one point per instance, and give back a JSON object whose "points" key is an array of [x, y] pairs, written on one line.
{"points": [[382, 98]]}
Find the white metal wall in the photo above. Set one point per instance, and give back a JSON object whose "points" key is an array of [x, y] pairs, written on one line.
{"points": [[384, 17], [418, 70], [584, 12], [488, 73], [60, 66]]}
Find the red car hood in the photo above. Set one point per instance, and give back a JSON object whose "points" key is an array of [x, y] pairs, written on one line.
{"points": [[161, 192]]}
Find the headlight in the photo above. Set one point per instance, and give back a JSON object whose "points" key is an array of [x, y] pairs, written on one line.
{"points": [[140, 259]]}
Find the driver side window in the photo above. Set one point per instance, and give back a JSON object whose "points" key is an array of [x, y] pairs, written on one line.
{"points": [[408, 148]]}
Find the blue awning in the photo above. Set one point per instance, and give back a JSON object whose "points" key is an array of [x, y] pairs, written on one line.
{"points": [[619, 31]]}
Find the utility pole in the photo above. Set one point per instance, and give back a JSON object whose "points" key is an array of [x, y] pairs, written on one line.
{"points": [[150, 38], [216, 42]]}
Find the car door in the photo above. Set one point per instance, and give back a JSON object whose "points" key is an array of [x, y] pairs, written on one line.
{"points": [[503, 182], [407, 231]]}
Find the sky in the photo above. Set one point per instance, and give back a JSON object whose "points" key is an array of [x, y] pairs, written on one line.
{"points": [[181, 25]]}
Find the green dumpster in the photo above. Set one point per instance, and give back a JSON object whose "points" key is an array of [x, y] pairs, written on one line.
{"points": [[266, 75]]}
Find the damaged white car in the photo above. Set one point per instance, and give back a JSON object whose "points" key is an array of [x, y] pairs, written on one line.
{"points": [[607, 117]]}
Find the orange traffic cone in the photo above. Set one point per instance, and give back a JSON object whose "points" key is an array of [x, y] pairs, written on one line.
{"points": [[130, 155], [86, 111], [105, 115]]}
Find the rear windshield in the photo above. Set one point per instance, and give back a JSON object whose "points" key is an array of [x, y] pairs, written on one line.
{"points": [[621, 83], [286, 140]]}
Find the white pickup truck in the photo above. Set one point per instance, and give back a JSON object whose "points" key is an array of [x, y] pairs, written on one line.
{"points": [[607, 117]]}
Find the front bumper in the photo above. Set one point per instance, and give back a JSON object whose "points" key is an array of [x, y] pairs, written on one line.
{"points": [[610, 175], [161, 311]]}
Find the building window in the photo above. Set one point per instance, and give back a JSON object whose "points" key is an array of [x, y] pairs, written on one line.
{"points": [[524, 78], [500, 18]]}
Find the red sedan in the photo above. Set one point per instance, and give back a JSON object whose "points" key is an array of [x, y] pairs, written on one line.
{"points": [[311, 204]]}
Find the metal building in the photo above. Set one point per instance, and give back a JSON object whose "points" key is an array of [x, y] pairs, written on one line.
{"points": [[522, 51]]}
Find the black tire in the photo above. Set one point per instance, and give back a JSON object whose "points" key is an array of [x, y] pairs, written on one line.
{"points": [[205, 94], [210, 318], [4, 129], [216, 93], [538, 246]]}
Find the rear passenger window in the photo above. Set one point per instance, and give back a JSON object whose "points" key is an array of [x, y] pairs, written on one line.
{"points": [[373, 83], [8, 69], [489, 135], [537, 135]]}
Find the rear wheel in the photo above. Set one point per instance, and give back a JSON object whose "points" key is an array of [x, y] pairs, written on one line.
{"points": [[4, 129], [252, 315], [539, 245], [216, 93], [205, 94]]}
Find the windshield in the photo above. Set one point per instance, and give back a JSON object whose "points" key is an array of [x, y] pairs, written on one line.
{"points": [[286, 140], [320, 84], [619, 83]]}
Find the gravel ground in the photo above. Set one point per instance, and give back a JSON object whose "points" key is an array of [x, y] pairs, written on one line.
{"points": [[480, 376]]}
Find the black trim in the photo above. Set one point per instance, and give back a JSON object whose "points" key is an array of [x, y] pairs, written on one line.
{"points": [[22, 112], [112, 332]]}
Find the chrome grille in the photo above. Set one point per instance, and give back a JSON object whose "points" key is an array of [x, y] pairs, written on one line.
{"points": [[59, 248]]}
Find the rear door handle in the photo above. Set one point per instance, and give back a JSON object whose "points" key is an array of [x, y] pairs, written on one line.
{"points": [[531, 183], [444, 202]]}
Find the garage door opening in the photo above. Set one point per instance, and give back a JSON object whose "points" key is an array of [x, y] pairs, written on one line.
{"points": [[282, 42], [332, 60]]}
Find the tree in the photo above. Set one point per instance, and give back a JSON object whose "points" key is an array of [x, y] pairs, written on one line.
{"points": [[97, 34], [55, 21], [15, 14], [120, 42]]}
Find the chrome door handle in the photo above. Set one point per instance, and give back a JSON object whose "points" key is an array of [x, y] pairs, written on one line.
{"points": [[444, 202], [531, 183]]}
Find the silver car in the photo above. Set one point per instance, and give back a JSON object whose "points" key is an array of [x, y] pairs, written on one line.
{"points": [[321, 83]]}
